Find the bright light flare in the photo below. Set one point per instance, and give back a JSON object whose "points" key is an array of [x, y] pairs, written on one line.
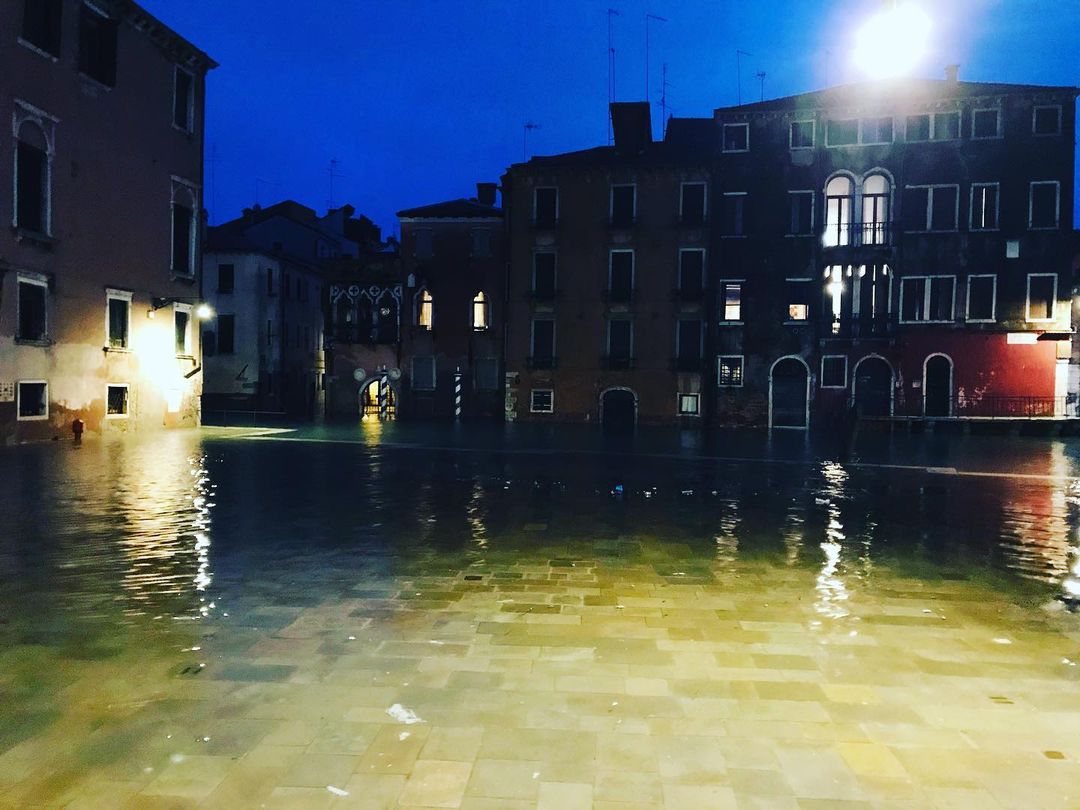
{"points": [[892, 42], [203, 312]]}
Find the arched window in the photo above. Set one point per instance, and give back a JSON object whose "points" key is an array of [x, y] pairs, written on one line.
{"points": [[480, 312], [33, 178], [839, 194], [185, 208], [875, 204], [425, 309]]}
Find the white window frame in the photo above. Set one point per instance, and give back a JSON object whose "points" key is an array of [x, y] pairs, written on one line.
{"points": [[858, 133], [843, 357], [720, 289], [1053, 300], [38, 281], [118, 295], [704, 198], [743, 234], [538, 189], [189, 127], [697, 404], [190, 310], [18, 401], [192, 190], [993, 300], [611, 200], [997, 131], [929, 126], [127, 401], [26, 113], [703, 260], [813, 135], [555, 268], [611, 263], [862, 130], [1034, 111], [742, 370], [926, 299], [723, 138], [486, 304], [933, 124], [532, 400], [971, 208], [813, 213], [929, 219], [1057, 205]]}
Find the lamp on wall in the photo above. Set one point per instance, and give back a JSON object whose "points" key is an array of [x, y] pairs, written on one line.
{"points": [[203, 310]]}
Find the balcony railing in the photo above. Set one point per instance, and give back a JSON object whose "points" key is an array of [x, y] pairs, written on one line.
{"points": [[991, 407], [540, 363], [857, 234]]}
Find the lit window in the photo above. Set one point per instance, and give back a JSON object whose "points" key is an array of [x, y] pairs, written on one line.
{"points": [[118, 321], [834, 371], [32, 322], [1044, 204], [802, 134], [33, 400], [1041, 296], [689, 404], [875, 219], [798, 312], [729, 371], [736, 137], [984, 206], [839, 196], [731, 301], [542, 400], [425, 310], [117, 400], [480, 312]]}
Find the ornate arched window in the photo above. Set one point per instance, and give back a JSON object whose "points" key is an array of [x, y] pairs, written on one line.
{"points": [[875, 209], [839, 196], [480, 312]]}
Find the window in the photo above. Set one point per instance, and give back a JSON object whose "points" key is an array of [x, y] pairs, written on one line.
{"points": [[116, 401], [543, 275], [97, 45], [984, 206], [480, 312], [486, 373], [802, 213], [41, 24], [875, 203], [184, 226], [425, 309], [802, 135], [842, 133], [946, 126], [226, 334], [798, 312], [226, 278], [481, 243], [985, 124], [931, 208], [620, 274], [729, 371], [183, 100], [543, 343], [1041, 296], [33, 178], [731, 302], [798, 297], [1046, 121], [736, 137], [927, 299], [423, 247], [423, 373], [834, 371], [688, 339], [182, 328], [546, 207], [32, 320], [33, 400], [839, 198], [542, 400], [1044, 204], [620, 343], [918, 128], [877, 130], [118, 318], [734, 222], [691, 272], [286, 285], [623, 205], [692, 204], [270, 281], [689, 404], [981, 298]]}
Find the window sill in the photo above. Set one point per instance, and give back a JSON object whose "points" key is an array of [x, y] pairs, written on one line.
{"points": [[112, 416], [797, 323], [835, 387], [188, 131], [42, 240], [42, 418], [38, 50], [116, 350], [733, 236], [985, 230], [725, 385], [798, 235], [731, 323], [43, 342], [1044, 227], [927, 323], [96, 81], [174, 276], [190, 357]]}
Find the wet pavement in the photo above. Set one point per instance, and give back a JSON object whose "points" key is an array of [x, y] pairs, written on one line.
{"points": [[483, 618]]}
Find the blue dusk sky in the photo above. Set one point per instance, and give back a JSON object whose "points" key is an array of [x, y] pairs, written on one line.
{"points": [[418, 100]]}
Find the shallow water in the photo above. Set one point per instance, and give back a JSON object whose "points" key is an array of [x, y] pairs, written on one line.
{"points": [[224, 618]]}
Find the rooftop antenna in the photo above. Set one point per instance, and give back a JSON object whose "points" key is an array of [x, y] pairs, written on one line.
{"points": [[528, 126], [761, 75], [738, 69], [648, 18], [333, 173], [610, 72]]}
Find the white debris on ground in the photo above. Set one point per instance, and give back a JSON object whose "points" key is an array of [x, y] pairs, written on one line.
{"points": [[403, 715]]}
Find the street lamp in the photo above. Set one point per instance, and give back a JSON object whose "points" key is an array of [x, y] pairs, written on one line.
{"points": [[893, 41], [203, 310]]}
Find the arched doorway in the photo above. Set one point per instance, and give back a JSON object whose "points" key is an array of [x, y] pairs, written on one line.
{"points": [[618, 409], [789, 393], [873, 387], [371, 406], [937, 385]]}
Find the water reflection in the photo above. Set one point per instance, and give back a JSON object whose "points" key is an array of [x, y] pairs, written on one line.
{"points": [[832, 592]]}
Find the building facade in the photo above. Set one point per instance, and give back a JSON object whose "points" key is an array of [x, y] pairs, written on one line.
{"points": [[99, 269], [608, 303]]}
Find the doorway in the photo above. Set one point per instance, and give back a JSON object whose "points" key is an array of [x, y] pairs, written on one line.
{"points": [[937, 385], [789, 393]]}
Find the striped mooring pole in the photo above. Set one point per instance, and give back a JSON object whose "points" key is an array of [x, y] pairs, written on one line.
{"points": [[457, 394], [384, 397]]}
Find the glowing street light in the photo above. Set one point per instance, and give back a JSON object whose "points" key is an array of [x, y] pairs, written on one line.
{"points": [[203, 312], [893, 41]]}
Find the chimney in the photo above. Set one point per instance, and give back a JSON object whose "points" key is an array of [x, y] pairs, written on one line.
{"points": [[632, 125], [952, 73], [485, 193]]}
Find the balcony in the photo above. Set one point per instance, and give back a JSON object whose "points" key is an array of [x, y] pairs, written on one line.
{"points": [[858, 234], [541, 363], [610, 362]]}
